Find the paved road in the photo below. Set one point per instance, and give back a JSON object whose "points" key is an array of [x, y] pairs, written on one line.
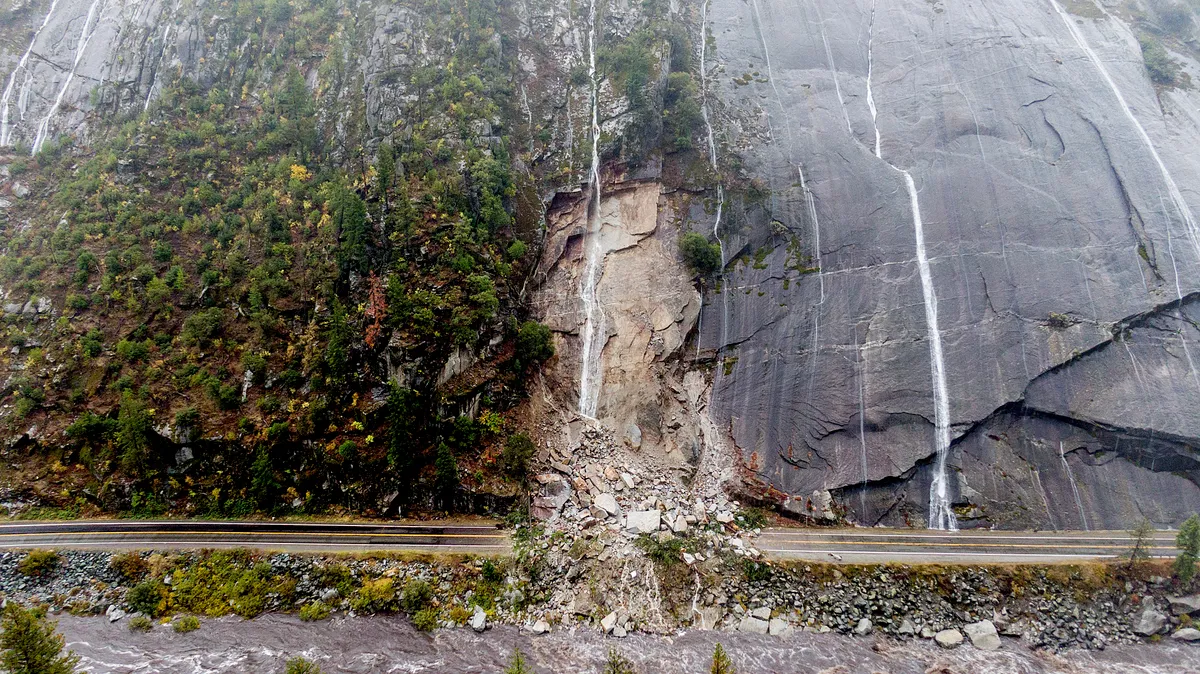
{"points": [[284, 536], [966, 547]]}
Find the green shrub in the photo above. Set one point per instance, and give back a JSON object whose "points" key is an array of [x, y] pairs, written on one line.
{"points": [[140, 623], [301, 665], [314, 611], [720, 662], [1188, 542], [416, 595], [1162, 69], [617, 664], [201, 327], [374, 595], [38, 563], [517, 664], [146, 597], [185, 624], [534, 345], [518, 449], [132, 352], [701, 256], [29, 645], [426, 619], [129, 565]]}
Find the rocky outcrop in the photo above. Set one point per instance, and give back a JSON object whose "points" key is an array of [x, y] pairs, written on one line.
{"points": [[1061, 260]]}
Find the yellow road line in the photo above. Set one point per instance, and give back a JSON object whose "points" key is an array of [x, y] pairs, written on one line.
{"points": [[133, 534], [968, 545]]}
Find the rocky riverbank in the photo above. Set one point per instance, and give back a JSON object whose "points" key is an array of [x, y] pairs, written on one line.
{"points": [[543, 588]]}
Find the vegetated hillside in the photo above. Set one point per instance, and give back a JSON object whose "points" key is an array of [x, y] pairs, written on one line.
{"points": [[242, 268], [297, 280]]}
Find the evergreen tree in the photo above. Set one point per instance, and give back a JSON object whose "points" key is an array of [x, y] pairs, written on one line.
{"points": [[617, 664], [1141, 538], [1188, 542], [28, 644], [446, 474], [517, 664], [133, 435], [720, 662]]}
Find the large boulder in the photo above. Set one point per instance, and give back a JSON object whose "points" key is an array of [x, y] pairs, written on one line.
{"points": [[948, 638], [1150, 622], [1188, 605], [983, 635], [643, 521]]}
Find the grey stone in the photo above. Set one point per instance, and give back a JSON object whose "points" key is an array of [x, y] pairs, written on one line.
{"points": [[608, 503], [927, 632], [762, 612], [948, 638], [114, 613], [983, 635], [608, 622], [1188, 634], [1184, 605], [20, 191], [643, 521], [907, 628], [864, 627], [778, 627], [540, 627], [754, 625], [1149, 622], [478, 621]]}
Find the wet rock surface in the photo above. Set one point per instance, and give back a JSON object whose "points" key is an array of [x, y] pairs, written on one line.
{"points": [[1064, 286]]}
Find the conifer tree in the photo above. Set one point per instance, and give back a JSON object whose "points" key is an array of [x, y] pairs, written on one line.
{"points": [[29, 645]]}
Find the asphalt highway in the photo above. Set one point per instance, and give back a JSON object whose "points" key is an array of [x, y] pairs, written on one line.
{"points": [[964, 547], [281, 536]]}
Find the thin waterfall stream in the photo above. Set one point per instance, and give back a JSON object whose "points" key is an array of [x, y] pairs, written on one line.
{"points": [[712, 160], [941, 516], [1177, 200], [6, 100], [85, 36], [591, 373]]}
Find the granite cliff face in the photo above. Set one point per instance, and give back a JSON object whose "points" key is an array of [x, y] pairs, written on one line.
{"points": [[1055, 187], [960, 240]]}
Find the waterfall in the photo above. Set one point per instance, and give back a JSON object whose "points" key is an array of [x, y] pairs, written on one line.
{"points": [[5, 127], [84, 37], [154, 77], [940, 514], [1173, 192], [591, 373], [712, 161], [1188, 353], [1074, 487]]}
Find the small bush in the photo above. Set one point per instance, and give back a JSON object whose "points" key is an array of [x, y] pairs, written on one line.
{"points": [[302, 666], [146, 597], [517, 664], [534, 344], [617, 664], [374, 595], [1161, 68], [185, 624], [140, 623], [426, 619], [202, 326], [38, 563], [129, 565], [701, 256], [314, 611], [416, 595], [518, 449]]}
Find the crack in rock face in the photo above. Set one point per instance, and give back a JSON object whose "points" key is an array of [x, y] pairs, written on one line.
{"points": [[1055, 195]]}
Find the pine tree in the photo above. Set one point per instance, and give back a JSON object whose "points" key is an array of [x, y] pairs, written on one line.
{"points": [[446, 473], [617, 664], [720, 662], [28, 644], [517, 664], [1188, 542], [1141, 537]]}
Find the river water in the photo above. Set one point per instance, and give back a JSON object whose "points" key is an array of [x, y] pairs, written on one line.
{"points": [[390, 644]]}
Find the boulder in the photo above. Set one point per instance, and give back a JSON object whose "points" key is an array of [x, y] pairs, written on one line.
{"points": [[864, 627], [608, 503], [608, 622], [1189, 634], [478, 620], [1149, 623], [762, 613], [778, 627], [907, 628], [754, 625], [643, 521], [1184, 605], [983, 635], [541, 627], [948, 638], [114, 613]]}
